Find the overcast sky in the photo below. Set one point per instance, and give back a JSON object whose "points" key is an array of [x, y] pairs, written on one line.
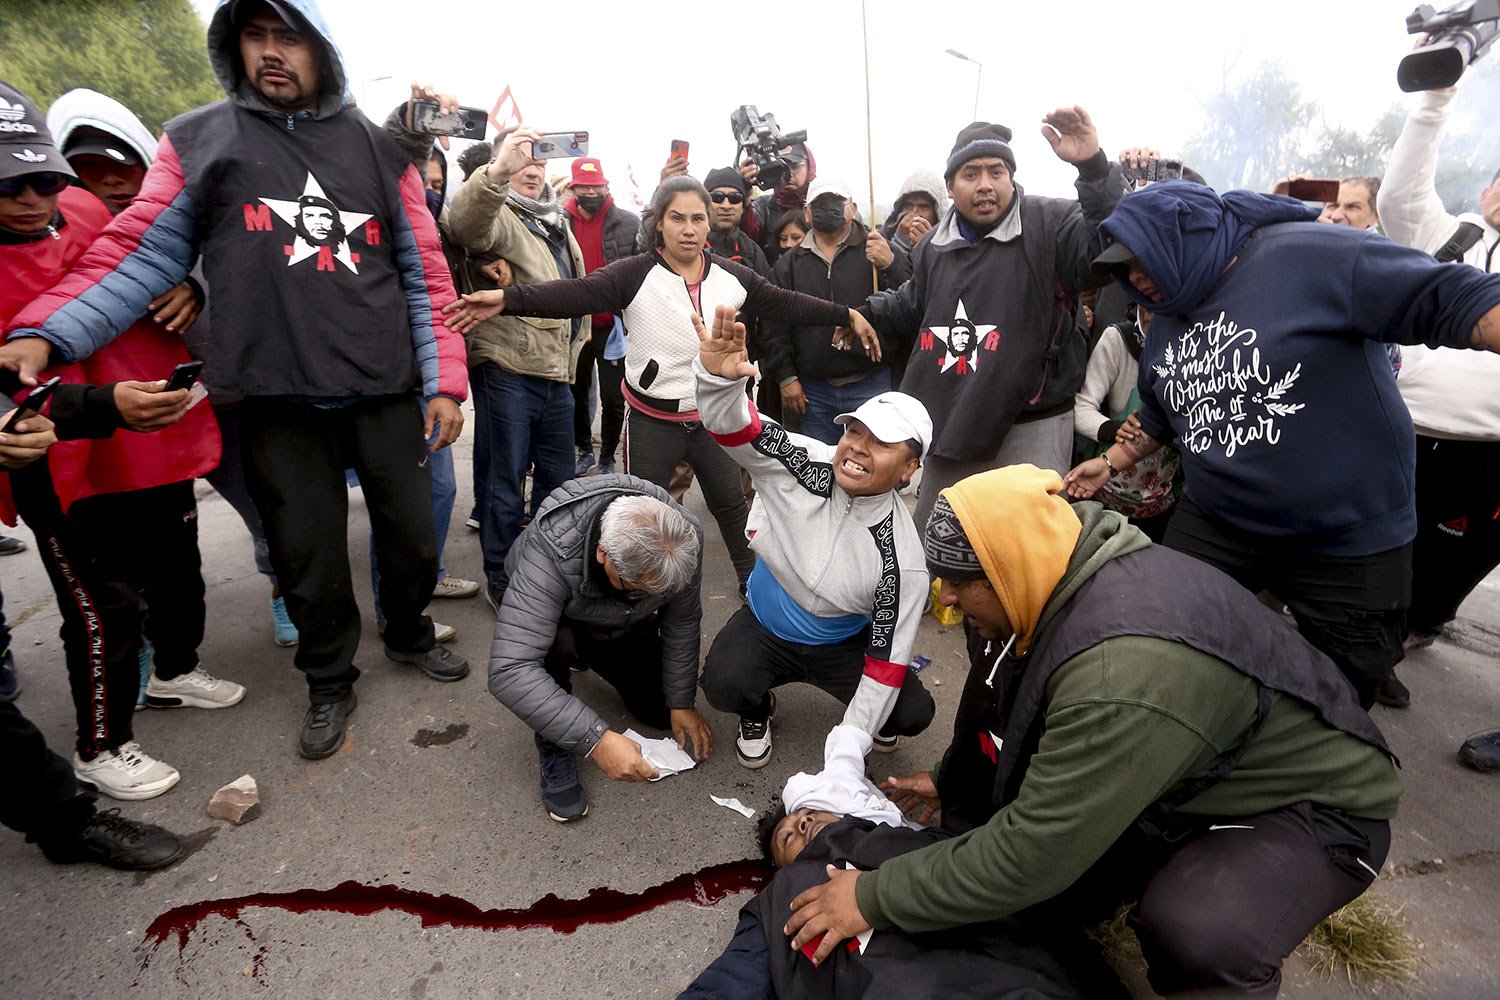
{"points": [[669, 70]]}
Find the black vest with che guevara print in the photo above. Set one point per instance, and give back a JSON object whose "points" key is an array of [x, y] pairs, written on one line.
{"points": [[1154, 592], [297, 225]]}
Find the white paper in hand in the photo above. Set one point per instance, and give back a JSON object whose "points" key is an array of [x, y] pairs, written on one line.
{"points": [[664, 755]]}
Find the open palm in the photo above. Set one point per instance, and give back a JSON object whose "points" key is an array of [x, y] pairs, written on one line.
{"points": [[721, 349]]}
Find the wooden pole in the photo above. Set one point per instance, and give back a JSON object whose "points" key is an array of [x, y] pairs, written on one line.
{"points": [[869, 139]]}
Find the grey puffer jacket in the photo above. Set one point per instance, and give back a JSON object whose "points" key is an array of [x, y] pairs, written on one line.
{"points": [[550, 583]]}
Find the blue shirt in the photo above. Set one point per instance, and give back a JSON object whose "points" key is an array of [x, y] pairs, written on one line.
{"points": [[774, 608]]}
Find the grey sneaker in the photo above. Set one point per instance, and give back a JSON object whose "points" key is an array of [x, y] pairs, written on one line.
{"points": [[585, 463], [323, 727]]}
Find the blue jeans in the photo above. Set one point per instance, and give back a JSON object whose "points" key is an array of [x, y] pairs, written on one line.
{"points": [[444, 493], [528, 421], [826, 401]]}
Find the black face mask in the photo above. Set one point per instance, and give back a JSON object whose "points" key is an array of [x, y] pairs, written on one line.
{"points": [[828, 216], [591, 203]]}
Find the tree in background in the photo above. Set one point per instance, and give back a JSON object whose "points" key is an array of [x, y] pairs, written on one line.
{"points": [[147, 54], [1261, 129]]}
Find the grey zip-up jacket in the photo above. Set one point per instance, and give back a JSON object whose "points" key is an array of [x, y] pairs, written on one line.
{"points": [[550, 583], [834, 554]]}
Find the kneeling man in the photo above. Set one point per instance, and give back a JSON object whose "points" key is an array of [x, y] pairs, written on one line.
{"points": [[605, 577], [1135, 727]]}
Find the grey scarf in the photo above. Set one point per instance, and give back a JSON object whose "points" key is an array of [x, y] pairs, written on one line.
{"points": [[544, 211]]}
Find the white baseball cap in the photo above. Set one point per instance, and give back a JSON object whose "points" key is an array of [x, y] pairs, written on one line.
{"points": [[820, 186], [893, 417]]}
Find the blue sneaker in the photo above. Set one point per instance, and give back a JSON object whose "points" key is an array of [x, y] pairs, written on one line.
{"points": [[585, 463], [10, 683], [562, 790], [286, 632], [140, 698], [606, 467]]}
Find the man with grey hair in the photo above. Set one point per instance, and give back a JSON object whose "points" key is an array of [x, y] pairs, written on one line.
{"points": [[606, 577]]}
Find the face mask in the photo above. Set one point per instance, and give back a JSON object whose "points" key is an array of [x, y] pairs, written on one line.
{"points": [[828, 215], [591, 203]]}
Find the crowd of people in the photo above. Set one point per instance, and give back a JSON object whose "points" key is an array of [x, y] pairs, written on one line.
{"points": [[1142, 421]]}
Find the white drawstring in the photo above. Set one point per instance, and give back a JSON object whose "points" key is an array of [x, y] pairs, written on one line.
{"points": [[989, 681]]}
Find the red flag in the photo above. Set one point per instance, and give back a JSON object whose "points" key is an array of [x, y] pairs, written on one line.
{"points": [[512, 118]]}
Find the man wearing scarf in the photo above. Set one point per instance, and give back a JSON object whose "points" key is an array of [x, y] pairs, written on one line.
{"points": [[1135, 728], [1266, 359], [521, 368]]}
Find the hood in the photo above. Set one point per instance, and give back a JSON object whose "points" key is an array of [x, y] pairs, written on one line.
{"points": [[1024, 532], [1185, 235], [1105, 534], [91, 109], [224, 55], [927, 182]]}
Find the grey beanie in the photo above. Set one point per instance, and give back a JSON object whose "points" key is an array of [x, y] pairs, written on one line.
{"points": [[980, 139]]}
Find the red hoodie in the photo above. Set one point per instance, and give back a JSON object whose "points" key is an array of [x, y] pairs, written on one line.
{"points": [[129, 460], [590, 236]]}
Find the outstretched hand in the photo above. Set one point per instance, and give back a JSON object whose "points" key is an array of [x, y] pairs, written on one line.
{"points": [[1070, 132], [468, 311], [859, 331], [1086, 479], [721, 350], [914, 794]]}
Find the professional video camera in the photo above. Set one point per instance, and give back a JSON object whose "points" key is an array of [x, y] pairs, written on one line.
{"points": [[761, 139], [1459, 35]]}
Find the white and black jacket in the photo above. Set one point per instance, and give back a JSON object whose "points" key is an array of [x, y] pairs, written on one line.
{"points": [[654, 303]]}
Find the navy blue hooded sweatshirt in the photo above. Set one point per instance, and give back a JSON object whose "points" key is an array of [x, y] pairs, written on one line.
{"points": [[1266, 359]]}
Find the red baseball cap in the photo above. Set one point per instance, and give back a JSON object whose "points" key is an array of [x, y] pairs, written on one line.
{"points": [[588, 173]]}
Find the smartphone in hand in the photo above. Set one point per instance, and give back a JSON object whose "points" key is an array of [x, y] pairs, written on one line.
{"points": [[183, 376], [33, 403]]}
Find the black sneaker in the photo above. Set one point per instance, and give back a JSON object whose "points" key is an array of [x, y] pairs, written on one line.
{"points": [[886, 744], [440, 663], [752, 744], [1420, 638], [9, 546], [1482, 751], [562, 789], [111, 839], [1392, 693], [323, 727], [494, 593], [10, 682]]}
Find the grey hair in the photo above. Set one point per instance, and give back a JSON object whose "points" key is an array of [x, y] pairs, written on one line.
{"points": [[651, 544]]}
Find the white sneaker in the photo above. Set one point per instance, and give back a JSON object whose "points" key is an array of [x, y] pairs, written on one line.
{"points": [[127, 773], [197, 689], [752, 742], [441, 632], [452, 586]]}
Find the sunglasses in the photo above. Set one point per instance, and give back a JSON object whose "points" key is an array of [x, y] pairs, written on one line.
{"points": [[45, 183], [733, 197]]}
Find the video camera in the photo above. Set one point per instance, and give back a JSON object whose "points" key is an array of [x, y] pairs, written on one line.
{"points": [[762, 140], [1459, 35]]}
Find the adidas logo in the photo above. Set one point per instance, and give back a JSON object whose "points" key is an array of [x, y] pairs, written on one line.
{"points": [[12, 118], [27, 156]]}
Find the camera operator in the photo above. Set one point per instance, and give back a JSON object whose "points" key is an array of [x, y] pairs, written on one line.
{"points": [[789, 197], [1450, 393]]}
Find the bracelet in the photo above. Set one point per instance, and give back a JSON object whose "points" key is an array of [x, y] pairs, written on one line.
{"points": [[1112, 470]]}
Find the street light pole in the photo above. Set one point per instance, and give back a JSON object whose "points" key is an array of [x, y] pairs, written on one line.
{"points": [[978, 76]]}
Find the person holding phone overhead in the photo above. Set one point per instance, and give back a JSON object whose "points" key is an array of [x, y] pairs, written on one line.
{"points": [[657, 293], [523, 369], [76, 499]]}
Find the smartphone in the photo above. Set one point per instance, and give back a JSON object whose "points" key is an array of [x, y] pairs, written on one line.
{"points": [[679, 150], [33, 403], [1314, 189], [1153, 170], [183, 376], [463, 123], [561, 146]]}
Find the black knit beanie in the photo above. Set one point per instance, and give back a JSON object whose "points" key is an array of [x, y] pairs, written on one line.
{"points": [[947, 548], [980, 139], [725, 177]]}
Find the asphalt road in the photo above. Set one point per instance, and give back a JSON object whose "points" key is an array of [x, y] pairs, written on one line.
{"points": [[435, 795]]}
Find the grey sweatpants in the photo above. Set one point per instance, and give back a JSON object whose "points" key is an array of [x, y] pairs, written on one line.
{"points": [[1046, 444]]}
